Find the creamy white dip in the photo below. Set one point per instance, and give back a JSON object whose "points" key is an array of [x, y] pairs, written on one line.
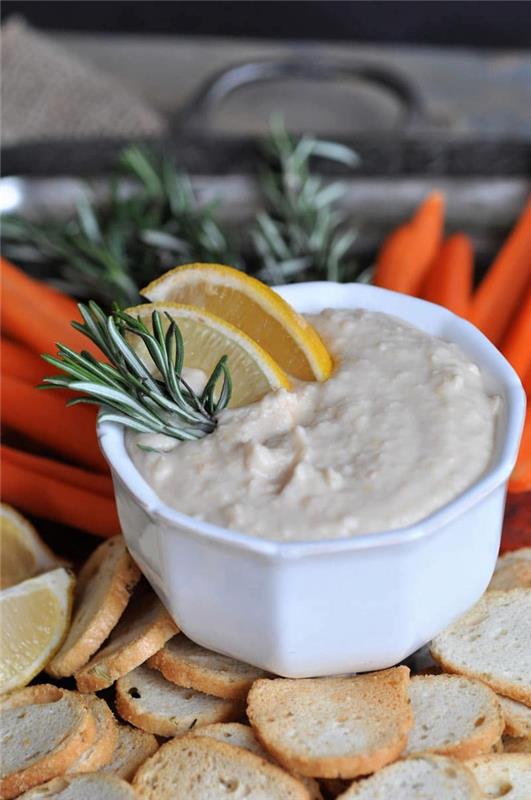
{"points": [[403, 426]]}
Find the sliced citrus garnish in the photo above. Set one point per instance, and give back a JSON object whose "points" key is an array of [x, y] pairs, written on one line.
{"points": [[34, 615], [252, 307], [23, 554], [206, 339]]}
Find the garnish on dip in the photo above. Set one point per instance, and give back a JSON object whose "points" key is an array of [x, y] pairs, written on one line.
{"points": [[148, 400], [207, 338], [254, 308], [148, 349], [152, 350]]}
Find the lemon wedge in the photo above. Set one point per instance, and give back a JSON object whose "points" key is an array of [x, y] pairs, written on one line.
{"points": [[206, 339], [34, 618], [252, 307], [23, 554]]}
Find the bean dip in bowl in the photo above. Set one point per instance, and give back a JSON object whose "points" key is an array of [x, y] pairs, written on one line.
{"points": [[337, 527]]}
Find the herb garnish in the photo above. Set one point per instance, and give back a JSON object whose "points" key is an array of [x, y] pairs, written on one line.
{"points": [[126, 389], [110, 250]]}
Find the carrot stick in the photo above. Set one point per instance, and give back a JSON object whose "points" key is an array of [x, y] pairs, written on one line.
{"points": [[37, 315], [517, 523], [521, 476], [27, 283], [71, 476], [450, 277], [20, 362], [516, 345], [405, 257], [47, 497], [42, 416], [498, 295]]}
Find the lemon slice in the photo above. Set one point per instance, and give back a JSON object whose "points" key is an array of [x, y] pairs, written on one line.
{"points": [[252, 307], [34, 618], [206, 339], [23, 554]]}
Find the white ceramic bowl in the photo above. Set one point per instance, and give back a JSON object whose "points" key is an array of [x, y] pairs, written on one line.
{"points": [[347, 605]]}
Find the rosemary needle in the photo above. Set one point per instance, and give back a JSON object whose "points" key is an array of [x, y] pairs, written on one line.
{"points": [[126, 389]]}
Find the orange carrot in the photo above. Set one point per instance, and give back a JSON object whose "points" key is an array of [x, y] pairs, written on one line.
{"points": [[20, 362], [516, 345], [37, 315], [500, 292], [71, 476], [521, 476], [42, 416], [451, 274], [47, 497], [517, 523], [406, 255], [49, 298]]}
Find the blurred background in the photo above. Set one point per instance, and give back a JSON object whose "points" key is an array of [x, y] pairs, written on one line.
{"points": [[293, 140], [425, 93], [476, 24]]}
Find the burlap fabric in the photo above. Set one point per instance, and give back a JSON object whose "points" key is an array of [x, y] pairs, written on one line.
{"points": [[49, 94]]}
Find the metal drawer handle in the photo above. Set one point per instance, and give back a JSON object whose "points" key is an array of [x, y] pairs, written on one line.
{"points": [[213, 93]]}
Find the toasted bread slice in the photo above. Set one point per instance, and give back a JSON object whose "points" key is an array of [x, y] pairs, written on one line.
{"points": [[492, 642], [235, 733], [150, 702], [453, 716], [333, 727], [132, 749], [142, 630], [102, 748], [83, 787], [517, 717], [418, 778], [513, 571], [200, 767], [507, 775], [104, 586], [516, 744], [190, 665], [240, 735], [44, 729]]}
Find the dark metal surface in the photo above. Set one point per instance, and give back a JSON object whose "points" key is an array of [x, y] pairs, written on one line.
{"points": [[381, 155], [406, 149]]}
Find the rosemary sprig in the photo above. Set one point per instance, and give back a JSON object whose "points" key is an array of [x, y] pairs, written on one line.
{"points": [[126, 389], [300, 236], [183, 228], [110, 251]]}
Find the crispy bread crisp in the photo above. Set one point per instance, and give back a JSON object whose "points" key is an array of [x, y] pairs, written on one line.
{"points": [[453, 716], [513, 571], [187, 664], [83, 787], [182, 765], [103, 589], [102, 748], [507, 775], [44, 729], [333, 727], [492, 642], [132, 749], [422, 777], [147, 700], [143, 629]]}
